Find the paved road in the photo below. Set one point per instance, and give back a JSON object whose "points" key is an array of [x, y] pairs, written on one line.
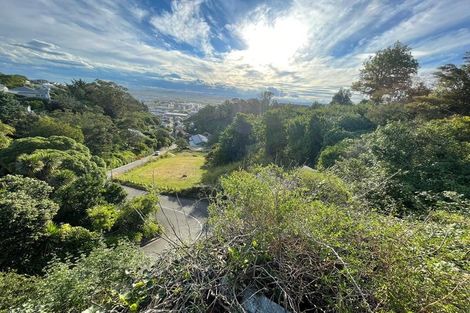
{"points": [[129, 166], [183, 221]]}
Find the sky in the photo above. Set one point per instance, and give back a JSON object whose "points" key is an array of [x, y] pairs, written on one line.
{"points": [[301, 50]]}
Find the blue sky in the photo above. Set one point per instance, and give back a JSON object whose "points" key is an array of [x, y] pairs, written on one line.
{"points": [[303, 50]]}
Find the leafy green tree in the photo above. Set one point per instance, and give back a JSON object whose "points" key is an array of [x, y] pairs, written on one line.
{"points": [[394, 164], [46, 127], [454, 86], [70, 242], [275, 123], [78, 178], [181, 143], [215, 119], [342, 97], [112, 98], [236, 140], [388, 74], [101, 135], [114, 193], [25, 211], [15, 114]]}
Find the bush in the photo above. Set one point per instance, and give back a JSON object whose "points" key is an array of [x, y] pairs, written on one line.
{"points": [[94, 281], [70, 241], [278, 241], [325, 187], [389, 167], [114, 193], [135, 217], [102, 217], [25, 210], [16, 289]]}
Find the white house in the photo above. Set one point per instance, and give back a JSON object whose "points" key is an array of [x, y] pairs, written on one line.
{"points": [[3, 88], [41, 93], [198, 140]]}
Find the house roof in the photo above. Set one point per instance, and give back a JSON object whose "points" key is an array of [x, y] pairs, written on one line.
{"points": [[22, 89], [198, 139]]}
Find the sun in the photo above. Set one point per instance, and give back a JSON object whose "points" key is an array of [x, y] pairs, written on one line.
{"points": [[273, 43]]}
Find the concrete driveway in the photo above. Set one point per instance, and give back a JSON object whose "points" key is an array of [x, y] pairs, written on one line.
{"points": [[183, 221]]}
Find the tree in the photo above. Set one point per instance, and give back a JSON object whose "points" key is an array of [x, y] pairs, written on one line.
{"points": [[454, 86], [266, 99], [136, 218], [15, 114], [46, 127], [78, 178], [25, 211], [342, 97], [388, 74], [181, 143], [235, 141]]}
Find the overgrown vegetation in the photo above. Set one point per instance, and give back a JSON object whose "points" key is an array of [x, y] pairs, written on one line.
{"points": [[329, 208], [56, 202]]}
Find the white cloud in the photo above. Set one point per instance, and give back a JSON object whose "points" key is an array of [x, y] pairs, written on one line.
{"points": [[289, 50], [185, 24]]}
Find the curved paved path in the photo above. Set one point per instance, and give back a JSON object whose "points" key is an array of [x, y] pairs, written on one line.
{"points": [[183, 221], [136, 163]]}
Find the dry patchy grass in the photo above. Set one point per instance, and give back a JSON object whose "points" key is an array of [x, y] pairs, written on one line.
{"points": [[181, 171]]}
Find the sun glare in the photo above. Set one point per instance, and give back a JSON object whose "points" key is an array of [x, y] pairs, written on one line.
{"points": [[274, 43]]}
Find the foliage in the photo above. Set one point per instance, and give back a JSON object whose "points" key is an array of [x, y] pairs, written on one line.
{"points": [[25, 210], [14, 114], [70, 242], [390, 166], [102, 217], [114, 193], [135, 218], [358, 260], [323, 186], [94, 281], [5, 133], [236, 141], [12, 81], [269, 239], [212, 175], [387, 74], [342, 97], [46, 127], [78, 177], [15, 289], [214, 119], [454, 86], [181, 143]]}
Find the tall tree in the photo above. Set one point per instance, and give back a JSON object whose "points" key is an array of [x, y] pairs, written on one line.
{"points": [[235, 141], [342, 97], [454, 86], [387, 76]]}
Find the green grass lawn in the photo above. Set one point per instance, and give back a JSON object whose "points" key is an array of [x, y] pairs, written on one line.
{"points": [[178, 172]]}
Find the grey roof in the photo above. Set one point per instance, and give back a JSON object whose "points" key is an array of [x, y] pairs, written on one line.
{"points": [[22, 89], [198, 139]]}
